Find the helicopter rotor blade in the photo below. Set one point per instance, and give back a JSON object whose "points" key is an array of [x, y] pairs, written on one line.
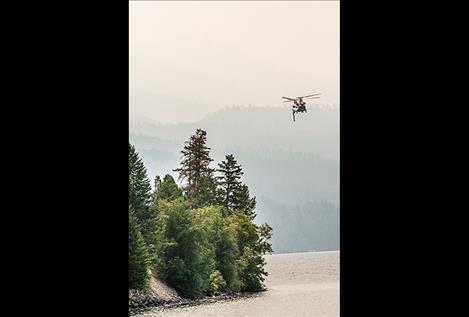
{"points": [[313, 95], [291, 99]]}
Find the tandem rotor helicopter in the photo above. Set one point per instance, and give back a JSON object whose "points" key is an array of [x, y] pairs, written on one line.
{"points": [[298, 104]]}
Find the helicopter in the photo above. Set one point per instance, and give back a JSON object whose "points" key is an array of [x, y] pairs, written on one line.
{"points": [[298, 103]]}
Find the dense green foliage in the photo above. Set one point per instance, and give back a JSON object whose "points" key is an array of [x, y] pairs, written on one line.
{"points": [[252, 245], [205, 241], [139, 264], [183, 251]]}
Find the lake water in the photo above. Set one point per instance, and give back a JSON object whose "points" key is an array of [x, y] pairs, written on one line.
{"points": [[299, 284]]}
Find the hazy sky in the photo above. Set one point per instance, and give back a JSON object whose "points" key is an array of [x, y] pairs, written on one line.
{"points": [[188, 59]]}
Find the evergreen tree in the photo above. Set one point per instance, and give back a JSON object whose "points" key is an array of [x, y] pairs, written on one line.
{"points": [[166, 189], [195, 169], [244, 202], [139, 187], [139, 184], [206, 194], [229, 182], [233, 194], [140, 197], [139, 264]]}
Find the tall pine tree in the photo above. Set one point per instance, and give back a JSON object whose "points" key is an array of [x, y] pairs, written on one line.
{"points": [[140, 197], [229, 181], [232, 193], [195, 170]]}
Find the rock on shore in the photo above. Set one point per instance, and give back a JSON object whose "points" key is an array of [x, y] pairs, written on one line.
{"points": [[159, 293]]}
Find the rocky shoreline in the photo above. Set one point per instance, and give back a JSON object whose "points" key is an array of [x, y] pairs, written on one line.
{"points": [[159, 294], [146, 298], [139, 300]]}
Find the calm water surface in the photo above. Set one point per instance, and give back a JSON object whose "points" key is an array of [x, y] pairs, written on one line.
{"points": [[299, 284]]}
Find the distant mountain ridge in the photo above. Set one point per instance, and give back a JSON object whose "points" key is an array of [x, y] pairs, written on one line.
{"points": [[291, 167], [268, 128]]}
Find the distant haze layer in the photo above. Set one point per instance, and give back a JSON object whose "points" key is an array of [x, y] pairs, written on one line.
{"points": [[189, 59]]}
